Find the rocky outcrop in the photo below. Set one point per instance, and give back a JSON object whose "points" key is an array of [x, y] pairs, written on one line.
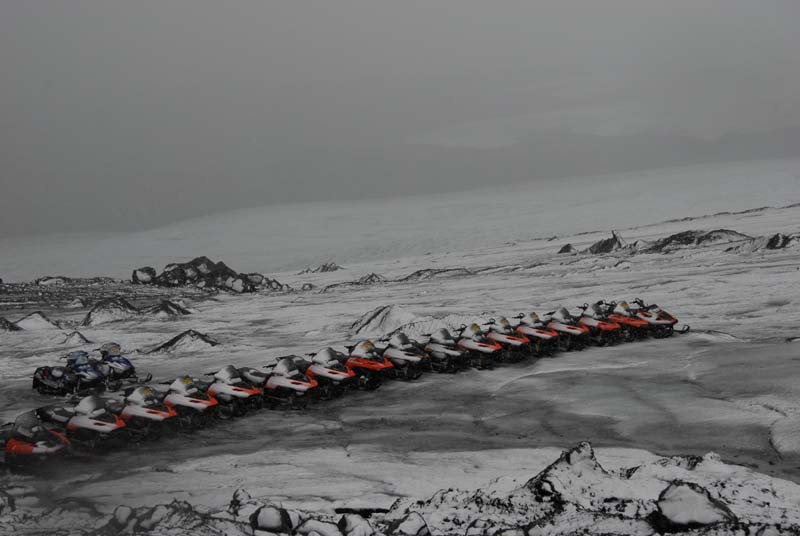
{"points": [[607, 245], [143, 276], [430, 273], [7, 325], [167, 309], [202, 272], [76, 338], [369, 279], [685, 505], [36, 321], [567, 248], [188, 341], [695, 238], [322, 268], [110, 310]]}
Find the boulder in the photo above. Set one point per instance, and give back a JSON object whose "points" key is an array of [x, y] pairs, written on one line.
{"points": [[143, 276], [607, 245], [272, 519], [355, 525], [685, 505], [411, 524], [567, 248], [167, 309], [779, 241]]}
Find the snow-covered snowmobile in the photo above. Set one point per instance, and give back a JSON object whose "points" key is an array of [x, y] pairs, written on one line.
{"points": [[145, 414], [369, 365], [328, 368], [445, 355], [189, 398], [662, 324], [235, 394], [80, 374], [602, 330], [28, 441], [89, 423], [283, 383], [572, 335], [408, 358], [515, 346], [117, 369], [544, 341], [481, 351], [631, 326]]}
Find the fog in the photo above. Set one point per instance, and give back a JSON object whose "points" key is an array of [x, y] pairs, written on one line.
{"points": [[127, 115]]}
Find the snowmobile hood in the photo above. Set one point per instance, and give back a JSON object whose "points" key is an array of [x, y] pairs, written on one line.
{"points": [[184, 385], [562, 315], [143, 396]]}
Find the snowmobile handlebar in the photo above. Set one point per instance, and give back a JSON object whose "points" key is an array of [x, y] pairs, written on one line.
{"points": [[520, 315]]}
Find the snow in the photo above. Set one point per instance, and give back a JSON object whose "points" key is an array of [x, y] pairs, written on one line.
{"points": [[35, 321], [683, 505], [728, 386]]}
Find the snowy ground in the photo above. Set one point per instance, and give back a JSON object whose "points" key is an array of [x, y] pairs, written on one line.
{"points": [[730, 386]]}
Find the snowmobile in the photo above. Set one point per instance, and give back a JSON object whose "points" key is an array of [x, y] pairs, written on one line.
{"points": [[572, 336], [445, 355], [189, 399], [481, 351], [544, 341], [408, 358], [28, 441], [283, 384], [369, 365], [602, 331], [236, 396], [118, 370], [81, 373], [145, 414], [89, 423], [515, 346], [662, 324], [632, 327], [328, 368]]}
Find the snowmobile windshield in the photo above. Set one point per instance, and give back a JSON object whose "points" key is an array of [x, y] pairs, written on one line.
{"points": [[326, 357], [400, 340], [111, 349], [91, 405], [27, 424], [286, 367], [442, 336], [228, 374], [78, 359]]}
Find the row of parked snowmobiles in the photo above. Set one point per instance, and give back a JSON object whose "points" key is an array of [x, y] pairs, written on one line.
{"points": [[131, 412]]}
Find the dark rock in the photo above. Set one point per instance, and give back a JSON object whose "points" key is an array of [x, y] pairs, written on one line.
{"points": [[607, 245], [110, 310], [430, 273], [143, 276], [7, 325], [779, 241], [256, 279], [695, 238], [167, 309], [48, 281], [567, 249], [188, 340], [308, 286], [75, 338], [355, 525], [322, 268]]}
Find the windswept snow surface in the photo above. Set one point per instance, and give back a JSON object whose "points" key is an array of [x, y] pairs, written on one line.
{"points": [[729, 386], [292, 237]]}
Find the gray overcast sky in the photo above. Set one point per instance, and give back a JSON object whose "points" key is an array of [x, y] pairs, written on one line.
{"points": [[127, 114]]}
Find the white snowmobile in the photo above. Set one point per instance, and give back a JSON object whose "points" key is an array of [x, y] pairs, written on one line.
{"points": [[572, 336], [328, 367], [515, 346], [235, 395], [445, 355], [481, 351], [544, 340], [89, 423], [408, 359], [662, 324], [145, 414], [283, 383], [188, 397]]}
